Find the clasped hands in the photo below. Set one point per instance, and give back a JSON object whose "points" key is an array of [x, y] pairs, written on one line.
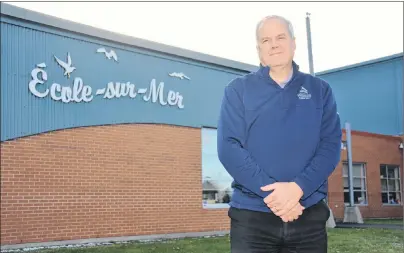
{"points": [[284, 200]]}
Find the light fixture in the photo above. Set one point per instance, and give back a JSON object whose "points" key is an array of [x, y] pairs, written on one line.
{"points": [[401, 146]]}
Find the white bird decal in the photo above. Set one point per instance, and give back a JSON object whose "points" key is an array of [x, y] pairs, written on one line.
{"points": [[109, 55], [179, 75], [67, 66]]}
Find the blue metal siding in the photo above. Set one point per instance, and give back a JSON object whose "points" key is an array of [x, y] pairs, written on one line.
{"points": [[398, 80], [47, 22], [23, 114], [370, 96]]}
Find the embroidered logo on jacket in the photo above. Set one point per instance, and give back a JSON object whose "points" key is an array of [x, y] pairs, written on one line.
{"points": [[303, 94]]}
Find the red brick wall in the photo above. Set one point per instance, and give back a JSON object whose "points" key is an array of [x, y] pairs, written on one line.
{"points": [[103, 181], [372, 150], [128, 180]]}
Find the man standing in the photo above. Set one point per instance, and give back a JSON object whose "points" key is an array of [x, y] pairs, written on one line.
{"points": [[279, 137]]}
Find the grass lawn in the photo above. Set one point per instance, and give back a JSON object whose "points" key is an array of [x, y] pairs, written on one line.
{"points": [[384, 221], [340, 241]]}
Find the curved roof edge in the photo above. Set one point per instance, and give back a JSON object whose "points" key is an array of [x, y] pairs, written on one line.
{"points": [[51, 21], [362, 64]]}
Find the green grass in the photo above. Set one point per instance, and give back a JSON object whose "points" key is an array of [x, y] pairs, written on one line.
{"points": [[366, 240], [340, 241], [384, 221]]}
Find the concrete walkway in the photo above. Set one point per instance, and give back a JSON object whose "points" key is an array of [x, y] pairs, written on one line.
{"points": [[355, 225]]}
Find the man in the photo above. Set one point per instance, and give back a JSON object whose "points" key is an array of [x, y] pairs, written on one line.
{"points": [[279, 137]]}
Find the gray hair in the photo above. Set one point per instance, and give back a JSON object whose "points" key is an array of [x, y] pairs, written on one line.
{"points": [[287, 23]]}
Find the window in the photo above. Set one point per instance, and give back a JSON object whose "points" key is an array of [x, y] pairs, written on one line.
{"points": [[216, 182], [391, 182], [359, 183]]}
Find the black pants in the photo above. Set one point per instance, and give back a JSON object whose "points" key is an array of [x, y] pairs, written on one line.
{"points": [[258, 232]]}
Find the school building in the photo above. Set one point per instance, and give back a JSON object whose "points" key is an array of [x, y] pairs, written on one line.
{"points": [[104, 135]]}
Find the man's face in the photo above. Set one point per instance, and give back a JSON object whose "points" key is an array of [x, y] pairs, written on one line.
{"points": [[275, 46]]}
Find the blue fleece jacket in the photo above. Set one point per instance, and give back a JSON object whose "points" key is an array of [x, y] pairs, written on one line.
{"points": [[269, 134]]}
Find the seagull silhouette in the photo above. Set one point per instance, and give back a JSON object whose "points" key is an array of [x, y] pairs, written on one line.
{"points": [[179, 75], [109, 55], [67, 66]]}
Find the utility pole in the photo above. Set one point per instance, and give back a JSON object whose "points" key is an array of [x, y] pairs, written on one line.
{"points": [[349, 156], [309, 47], [331, 220], [310, 52], [352, 213]]}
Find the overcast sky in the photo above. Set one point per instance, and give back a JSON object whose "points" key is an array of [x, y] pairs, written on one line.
{"points": [[342, 33]]}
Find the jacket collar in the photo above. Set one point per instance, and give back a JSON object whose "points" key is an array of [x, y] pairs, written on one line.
{"points": [[264, 70]]}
